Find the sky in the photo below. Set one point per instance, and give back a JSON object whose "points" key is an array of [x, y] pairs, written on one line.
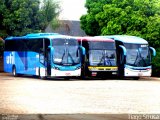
{"points": [[72, 9]]}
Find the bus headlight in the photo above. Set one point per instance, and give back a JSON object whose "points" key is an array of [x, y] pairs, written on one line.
{"points": [[56, 68], [114, 69], [78, 68]]}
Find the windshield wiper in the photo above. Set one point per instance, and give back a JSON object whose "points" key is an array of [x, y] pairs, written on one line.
{"points": [[139, 58], [106, 59], [71, 57], [143, 60], [135, 63], [100, 63], [65, 57]]}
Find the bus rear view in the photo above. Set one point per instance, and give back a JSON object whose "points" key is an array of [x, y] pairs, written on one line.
{"points": [[43, 54]]}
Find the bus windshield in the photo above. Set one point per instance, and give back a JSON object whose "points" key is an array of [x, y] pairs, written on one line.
{"points": [[138, 55], [102, 54], [101, 45], [66, 52]]}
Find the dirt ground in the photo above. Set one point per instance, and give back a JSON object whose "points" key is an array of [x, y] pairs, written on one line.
{"points": [[29, 98]]}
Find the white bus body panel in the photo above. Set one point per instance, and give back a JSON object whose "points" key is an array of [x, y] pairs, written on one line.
{"points": [[55, 72], [137, 73]]}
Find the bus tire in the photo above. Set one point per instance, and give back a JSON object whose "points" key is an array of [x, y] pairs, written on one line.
{"points": [[83, 73], [14, 72], [136, 78], [66, 78], [83, 77]]}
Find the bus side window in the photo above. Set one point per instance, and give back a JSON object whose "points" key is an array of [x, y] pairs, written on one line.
{"points": [[22, 45], [36, 45], [10, 45]]}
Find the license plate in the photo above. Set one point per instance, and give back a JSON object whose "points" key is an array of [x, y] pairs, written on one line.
{"points": [[94, 73], [68, 74], [140, 74]]}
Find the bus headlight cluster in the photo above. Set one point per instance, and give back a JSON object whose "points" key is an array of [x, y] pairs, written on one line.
{"points": [[114, 69], [56, 68], [92, 68], [78, 68]]}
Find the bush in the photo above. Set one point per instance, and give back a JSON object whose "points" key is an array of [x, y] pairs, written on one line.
{"points": [[156, 64], [1, 47]]}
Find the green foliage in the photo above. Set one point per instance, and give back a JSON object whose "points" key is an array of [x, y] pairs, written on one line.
{"points": [[88, 22], [90, 25], [156, 64], [131, 17], [19, 17], [1, 46], [153, 31], [49, 12]]}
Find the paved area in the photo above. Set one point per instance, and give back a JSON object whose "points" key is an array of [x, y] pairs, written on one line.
{"points": [[84, 98]]}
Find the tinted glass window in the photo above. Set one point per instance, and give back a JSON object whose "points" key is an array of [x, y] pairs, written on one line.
{"points": [[72, 42], [101, 45], [57, 42], [138, 55], [66, 51], [60, 41], [10, 45], [24, 45], [35, 44]]}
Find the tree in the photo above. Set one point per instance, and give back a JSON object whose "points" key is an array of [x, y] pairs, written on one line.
{"points": [[132, 17], [2, 10], [50, 9], [19, 17], [88, 22], [1, 46]]}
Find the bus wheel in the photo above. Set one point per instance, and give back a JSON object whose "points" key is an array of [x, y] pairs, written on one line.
{"points": [[14, 71], [42, 77], [136, 78], [66, 78]]}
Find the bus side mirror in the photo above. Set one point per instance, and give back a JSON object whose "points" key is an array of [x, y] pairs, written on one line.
{"points": [[83, 53], [51, 52], [124, 50], [123, 59], [153, 51], [83, 50]]}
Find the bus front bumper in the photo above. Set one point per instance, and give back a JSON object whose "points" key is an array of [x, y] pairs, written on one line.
{"points": [[137, 73], [60, 73]]}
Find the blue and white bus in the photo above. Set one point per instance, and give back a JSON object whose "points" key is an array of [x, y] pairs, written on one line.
{"points": [[44, 55], [134, 56]]}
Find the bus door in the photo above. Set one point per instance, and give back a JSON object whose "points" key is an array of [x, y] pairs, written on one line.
{"points": [[45, 58], [48, 60]]}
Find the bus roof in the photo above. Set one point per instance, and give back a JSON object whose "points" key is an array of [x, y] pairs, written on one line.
{"points": [[95, 39], [39, 35], [127, 39]]}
